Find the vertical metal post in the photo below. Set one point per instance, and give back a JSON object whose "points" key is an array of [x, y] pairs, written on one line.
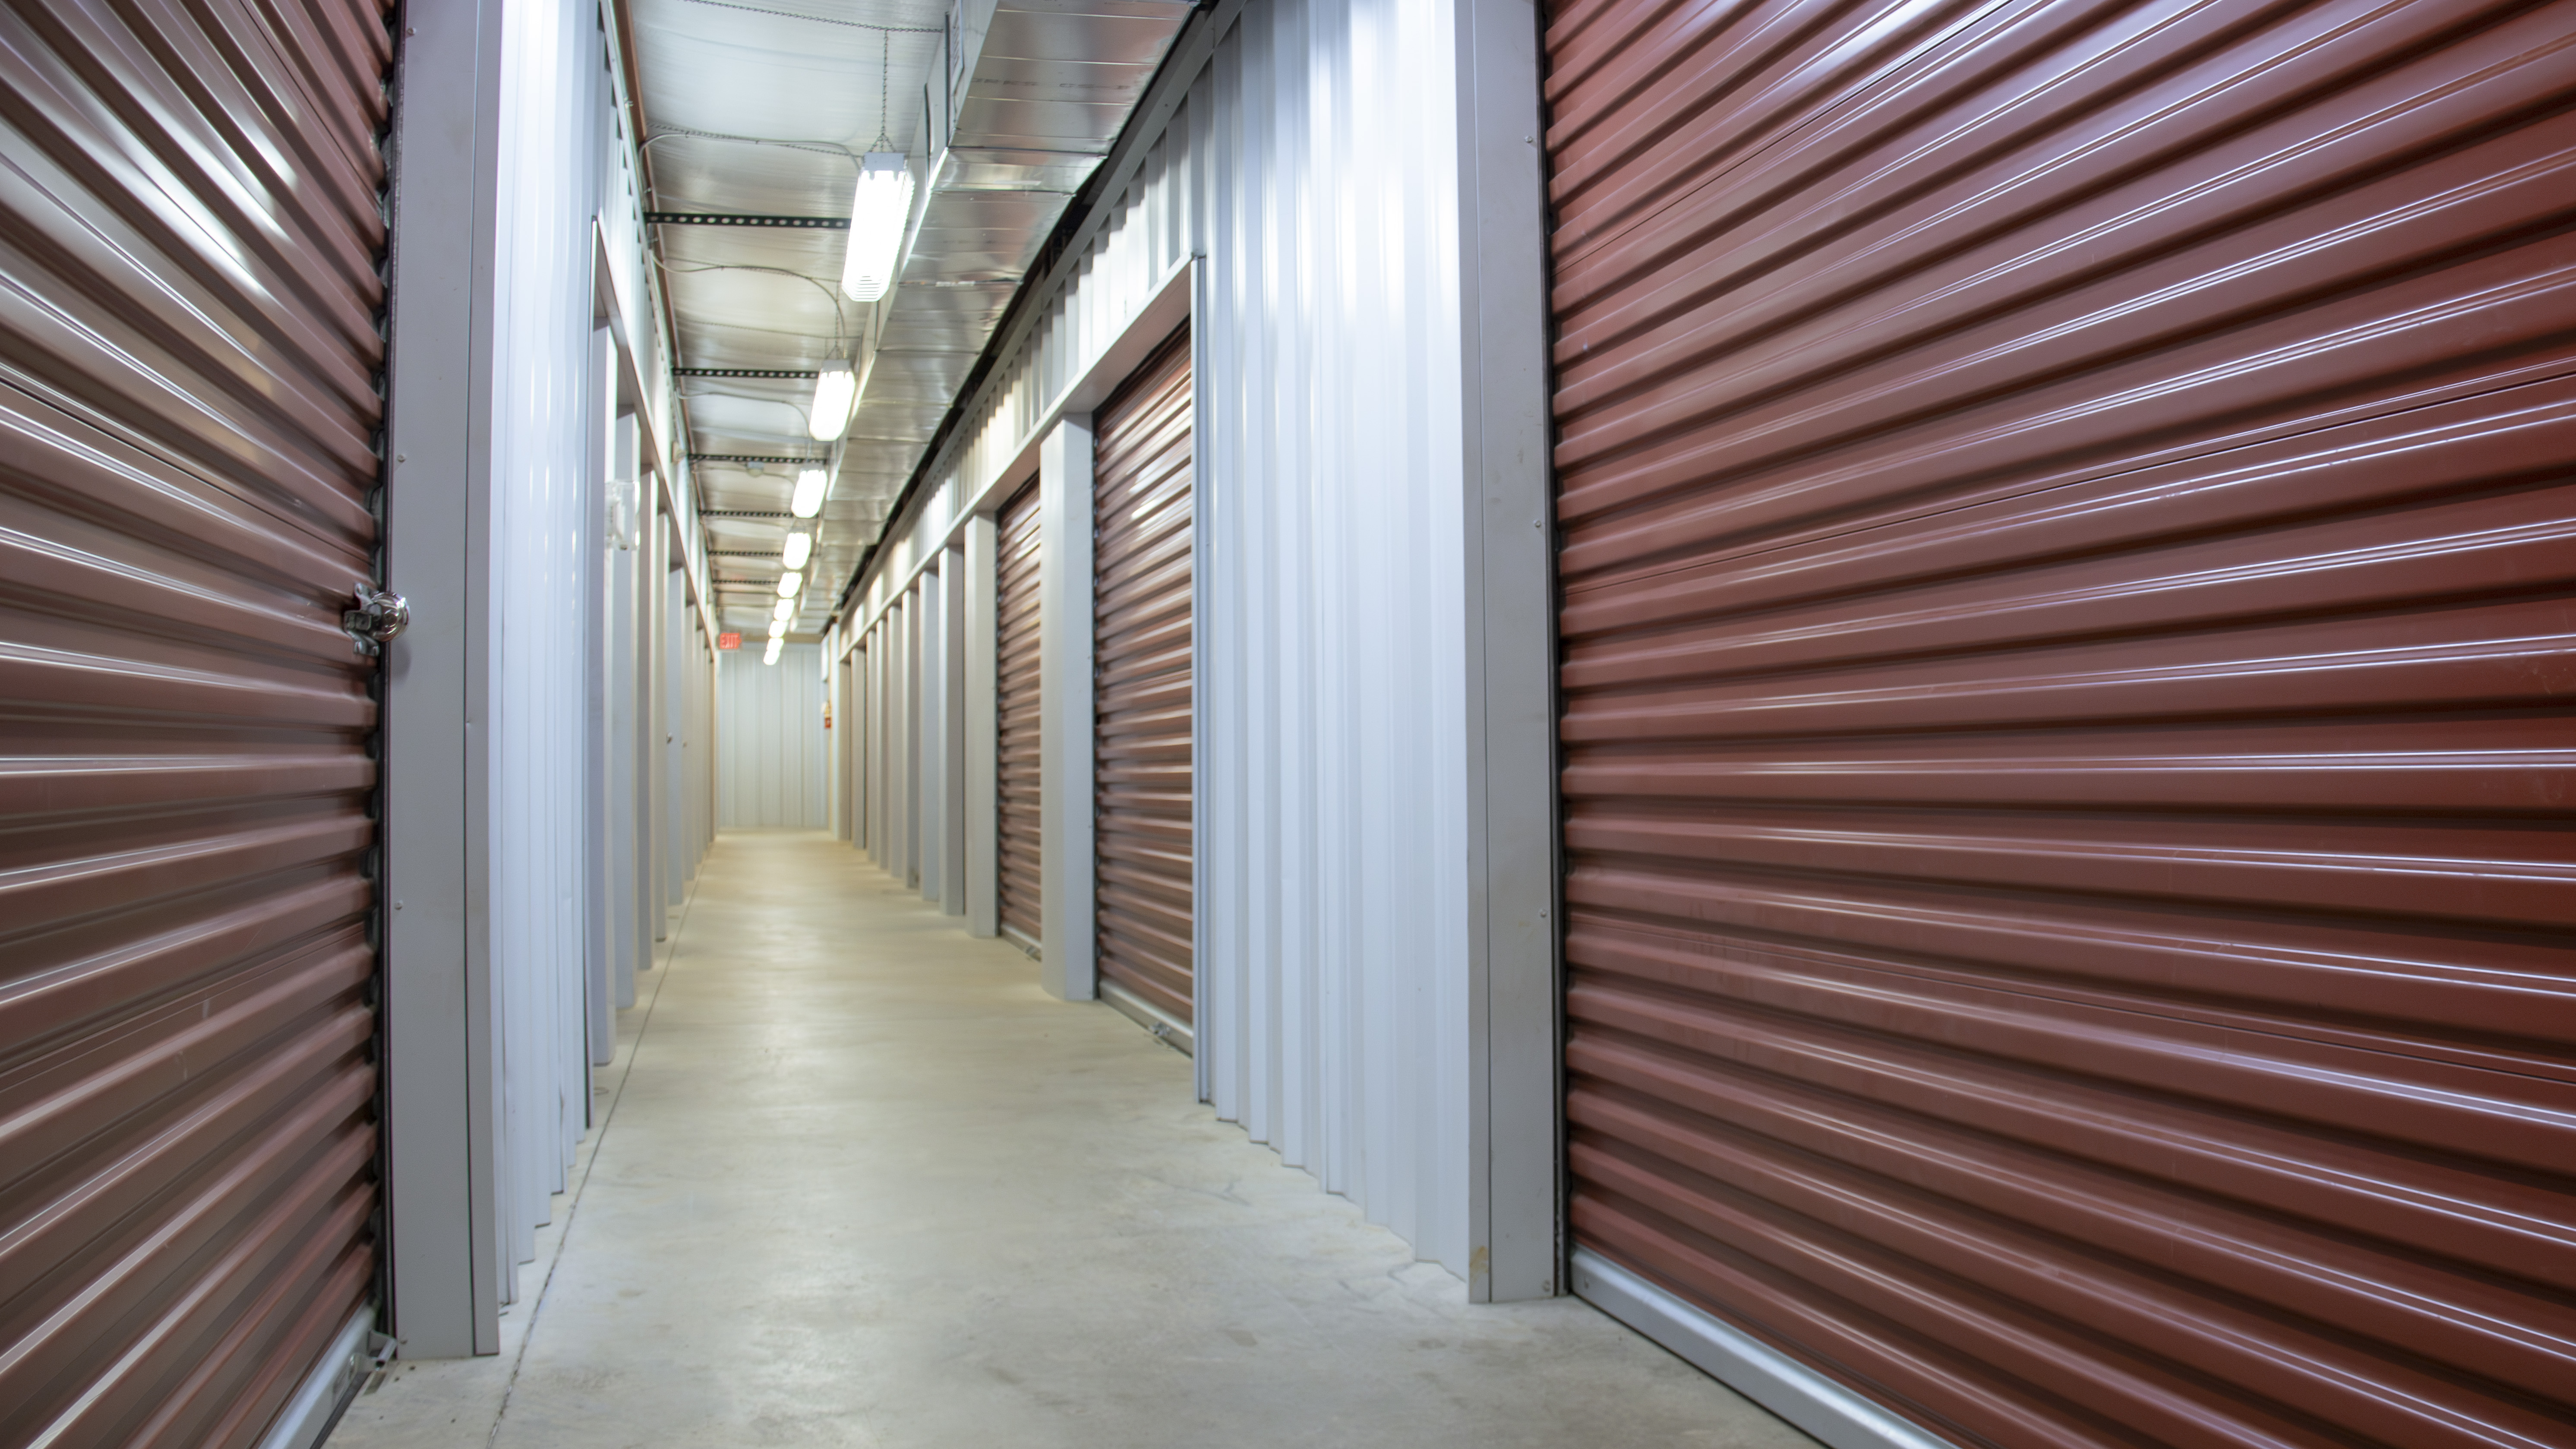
{"points": [[656, 593], [952, 732], [441, 1216], [914, 627], [629, 941], [1516, 1120], [877, 817], [980, 740], [599, 948], [931, 746], [680, 831], [836, 730], [900, 621]]}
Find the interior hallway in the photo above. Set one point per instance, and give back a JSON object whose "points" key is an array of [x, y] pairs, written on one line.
{"points": [[860, 1182]]}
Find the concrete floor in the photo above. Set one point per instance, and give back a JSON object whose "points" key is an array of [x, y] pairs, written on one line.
{"points": [[860, 1182]]}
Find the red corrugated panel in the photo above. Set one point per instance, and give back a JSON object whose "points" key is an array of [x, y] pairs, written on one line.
{"points": [[1143, 567], [189, 238], [1016, 715], [2069, 619]]}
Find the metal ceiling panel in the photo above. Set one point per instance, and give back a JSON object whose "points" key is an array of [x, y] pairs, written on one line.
{"points": [[1068, 125], [720, 173], [1022, 33], [731, 70], [765, 113], [952, 333], [1001, 168], [1041, 79]]}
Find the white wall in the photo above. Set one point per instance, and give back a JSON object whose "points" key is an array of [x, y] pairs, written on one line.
{"points": [[769, 728], [1314, 173]]}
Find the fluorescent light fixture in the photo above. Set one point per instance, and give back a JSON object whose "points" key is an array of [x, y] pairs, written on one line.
{"points": [[808, 500], [786, 609], [877, 217], [835, 388], [777, 628], [800, 547], [789, 583], [770, 654]]}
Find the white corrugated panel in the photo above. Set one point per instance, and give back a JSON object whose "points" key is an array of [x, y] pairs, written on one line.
{"points": [[1332, 808], [1313, 170], [545, 581], [769, 740]]}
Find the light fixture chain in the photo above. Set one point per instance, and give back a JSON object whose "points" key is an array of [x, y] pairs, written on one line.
{"points": [[885, 92]]}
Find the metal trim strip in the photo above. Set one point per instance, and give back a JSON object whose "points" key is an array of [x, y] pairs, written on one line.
{"points": [[1807, 1399], [1137, 1009], [324, 1396]]}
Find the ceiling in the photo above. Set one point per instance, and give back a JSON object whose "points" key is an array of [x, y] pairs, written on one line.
{"points": [[761, 109]]}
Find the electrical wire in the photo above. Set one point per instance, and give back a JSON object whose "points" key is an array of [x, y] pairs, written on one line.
{"points": [[831, 294], [804, 419], [827, 19], [885, 92], [819, 148]]}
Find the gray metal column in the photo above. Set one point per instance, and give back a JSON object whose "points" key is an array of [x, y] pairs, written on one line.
{"points": [[952, 728], [932, 744], [440, 1093], [599, 780], [1515, 1113], [979, 742], [680, 829], [656, 598], [630, 939]]}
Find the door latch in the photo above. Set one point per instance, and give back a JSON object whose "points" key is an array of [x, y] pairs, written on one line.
{"points": [[378, 619]]}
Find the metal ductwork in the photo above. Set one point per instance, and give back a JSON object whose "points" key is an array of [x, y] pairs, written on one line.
{"points": [[1005, 110]]}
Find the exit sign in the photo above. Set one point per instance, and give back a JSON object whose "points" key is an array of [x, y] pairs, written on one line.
{"points": [[728, 641]]}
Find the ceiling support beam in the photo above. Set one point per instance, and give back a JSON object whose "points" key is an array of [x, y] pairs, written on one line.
{"points": [[733, 218]]}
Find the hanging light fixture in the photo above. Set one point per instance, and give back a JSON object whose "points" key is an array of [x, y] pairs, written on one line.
{"points": [[883, 203], [770, 655], [789, 583], [786, 609], [800, 547], [877, 217], [835, 388], [810, 487], [777, 629]]}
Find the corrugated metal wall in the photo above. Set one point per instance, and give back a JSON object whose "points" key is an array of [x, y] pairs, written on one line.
{"points": [[1313, 169], [2068, 577], [546, 548], [189, 240], [1141, 661], [1015, 714], [770, 729]]}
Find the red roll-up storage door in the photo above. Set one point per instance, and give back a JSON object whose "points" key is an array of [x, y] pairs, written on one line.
{"points": [[189, 243], [1015, 712], [2068, 535], [1142, 698]]}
